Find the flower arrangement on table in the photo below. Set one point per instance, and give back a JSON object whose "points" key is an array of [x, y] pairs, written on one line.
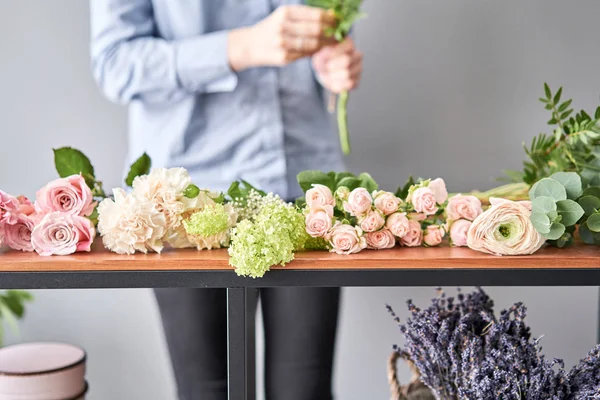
{"points": [[462, 350], [558, 196]]}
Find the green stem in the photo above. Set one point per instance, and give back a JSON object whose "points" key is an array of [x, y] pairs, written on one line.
{"points": [[342, 118]]}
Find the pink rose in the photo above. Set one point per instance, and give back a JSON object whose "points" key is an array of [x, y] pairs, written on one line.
{"points": [[70, 195], [359, 202], [386, 202], [423, 200], [382, 239], [414, 236], [463, 207], [417, 216], [398, 224], [25, 205], [438, 186], [434, 235], [61, 233], [458, 232], [347, 239], [9, 208], [372, 222], [319, 196], [319, 221], [17, 236]]}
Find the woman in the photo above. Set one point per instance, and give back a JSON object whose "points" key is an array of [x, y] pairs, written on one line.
{"points": [[232, 89]]}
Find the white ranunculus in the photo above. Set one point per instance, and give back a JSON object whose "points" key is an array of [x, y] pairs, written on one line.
{"points": [[129, 224], [505, 229]]}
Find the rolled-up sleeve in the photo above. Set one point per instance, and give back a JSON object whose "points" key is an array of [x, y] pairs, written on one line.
{"points": [[130, 62]]}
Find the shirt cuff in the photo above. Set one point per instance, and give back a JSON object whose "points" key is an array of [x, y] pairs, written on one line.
{"points": [[202, 63]]}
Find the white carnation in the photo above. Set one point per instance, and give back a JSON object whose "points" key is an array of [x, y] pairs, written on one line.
{"points": [[129, 224]]}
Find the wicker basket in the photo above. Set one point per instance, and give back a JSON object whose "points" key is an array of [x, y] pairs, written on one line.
{"points": [[415, 390]]}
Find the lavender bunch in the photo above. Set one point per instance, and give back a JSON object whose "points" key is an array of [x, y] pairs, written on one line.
{"points": [[584, 378]]}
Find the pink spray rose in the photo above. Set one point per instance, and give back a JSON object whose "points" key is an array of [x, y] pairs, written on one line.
{"points": [[17, 236], [319, 221], [61, 233], [386, 202], [372, 222], [434, 235], [382, 239], [438, 186], [398, 224], [347, 239], [463, 207], [359, 202], [458, 232], [70, 195], [319, 196], [9, 208], [414, 236], [423, 200]]}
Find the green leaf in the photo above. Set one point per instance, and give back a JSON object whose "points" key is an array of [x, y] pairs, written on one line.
{"points": [[557, 96], [300, 202], [10, 318], [565, 114], [250, 187], [220, 199], [554, 217], [556, 231], [141, 166], [564, 241], [592, 191], [541, 222], [597, 114], [590, 204], [402, 192], [570, 212], [307, 178], [552, 121], [586, 235], [234, 191], [192, 191], [548, 92], [571, 181], [367, 182], [549, 188], [543, 100], [69, 161], [593, 222], [543, 205], [350, 182], [565, 105], [341, 175]]}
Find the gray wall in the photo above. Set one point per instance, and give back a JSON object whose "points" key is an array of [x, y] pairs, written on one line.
{"points": [[450, 88]]}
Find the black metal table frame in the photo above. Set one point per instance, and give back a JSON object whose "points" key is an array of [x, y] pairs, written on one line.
{"points": [[242, 292]]}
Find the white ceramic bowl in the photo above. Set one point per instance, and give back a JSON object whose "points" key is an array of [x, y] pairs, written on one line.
{"points": [[42, 371]]}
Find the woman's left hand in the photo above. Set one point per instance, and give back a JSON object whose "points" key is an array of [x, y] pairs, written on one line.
{"points": [[339, 67]]}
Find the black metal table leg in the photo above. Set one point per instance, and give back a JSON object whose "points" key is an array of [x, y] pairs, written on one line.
{"points": [[241, 374]]}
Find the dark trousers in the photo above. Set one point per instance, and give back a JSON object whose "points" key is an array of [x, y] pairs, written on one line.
{"points": [[300, 329]]}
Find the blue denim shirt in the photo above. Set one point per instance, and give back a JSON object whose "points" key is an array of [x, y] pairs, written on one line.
{"points": [[167, 60]]}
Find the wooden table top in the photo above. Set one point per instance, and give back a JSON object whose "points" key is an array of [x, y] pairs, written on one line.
{"points": [[576, 257]]}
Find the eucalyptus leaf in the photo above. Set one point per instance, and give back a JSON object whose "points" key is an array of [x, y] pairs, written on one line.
{"points": [[307, 178], [593, 222], [141, 166], [541, 223], [543, 205], [570, 211], [69, 161], [586, 235], [556, 231], [550, 188], [571, 181], [592, 191], [590, 204]]}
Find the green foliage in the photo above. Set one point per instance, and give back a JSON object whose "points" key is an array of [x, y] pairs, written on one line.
{"points": [[239, 191], [192, 191], [12, 308], [335, 180], [69, 161], [140, 167], [573, 146]]}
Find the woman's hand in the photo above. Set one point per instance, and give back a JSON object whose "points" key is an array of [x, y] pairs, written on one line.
{"points": [[339, 67], [289, 33]]}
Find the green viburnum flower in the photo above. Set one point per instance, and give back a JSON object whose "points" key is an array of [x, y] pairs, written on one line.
{"points": [[269, 239], [211, 220], [316, 243]]}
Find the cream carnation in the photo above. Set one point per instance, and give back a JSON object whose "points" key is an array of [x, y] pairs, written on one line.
{"points": [[129, 224], [504, 229]]}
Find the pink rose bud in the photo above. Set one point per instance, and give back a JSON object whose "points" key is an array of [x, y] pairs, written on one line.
{"points": [[25, 205], [342, 193], [434, 235], [398, 224], [319, 221], [386, 202], [359, 202], [382, 239], [423, 200], [9, 208], [319, 196], [458, 232], [17, 236], [438, 186], [70, 195], [414, 236], [463, 207], [347, 239], [372, 222], [61, 233]]}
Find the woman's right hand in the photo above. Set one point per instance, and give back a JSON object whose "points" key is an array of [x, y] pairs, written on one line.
{"points": [[289, 33]]}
